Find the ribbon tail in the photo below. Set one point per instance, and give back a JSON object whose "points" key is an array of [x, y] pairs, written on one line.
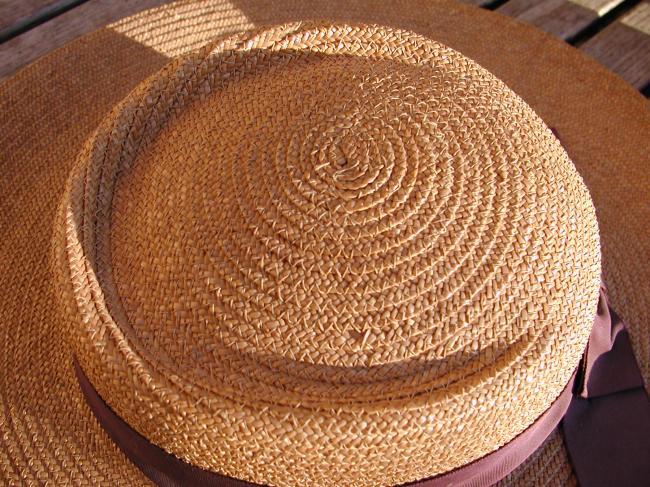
{"points": [[607, 425]]}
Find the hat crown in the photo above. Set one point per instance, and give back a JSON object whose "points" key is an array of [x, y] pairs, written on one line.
{"points": [[345, 231]]}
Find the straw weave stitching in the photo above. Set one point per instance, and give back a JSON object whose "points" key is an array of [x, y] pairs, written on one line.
{"points": [[328, 254]]}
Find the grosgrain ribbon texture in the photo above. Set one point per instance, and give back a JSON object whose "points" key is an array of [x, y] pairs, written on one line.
{"points": [[606, 425]]}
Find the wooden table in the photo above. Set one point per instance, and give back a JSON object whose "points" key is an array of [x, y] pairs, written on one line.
{"points": [[615, 32]]}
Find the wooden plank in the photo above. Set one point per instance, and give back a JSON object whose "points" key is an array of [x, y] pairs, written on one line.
{"points": [[562, 18], [32, 14], [89, 16], [11, 11], [624, 46]]}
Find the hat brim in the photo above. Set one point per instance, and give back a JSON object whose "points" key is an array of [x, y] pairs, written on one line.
{"points": [[50, 108]]}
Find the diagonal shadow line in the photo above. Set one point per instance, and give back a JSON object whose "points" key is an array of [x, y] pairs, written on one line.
{"points": [[37, 18], [494, 4], [645, 90], [601, 22]]}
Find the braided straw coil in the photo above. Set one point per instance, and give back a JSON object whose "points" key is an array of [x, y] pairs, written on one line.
{"points": [[327, 254]]}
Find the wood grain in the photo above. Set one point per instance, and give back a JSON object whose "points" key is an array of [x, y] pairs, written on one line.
{"points": [[624, 46], [11, 11], [562, 18], [40, 40]]}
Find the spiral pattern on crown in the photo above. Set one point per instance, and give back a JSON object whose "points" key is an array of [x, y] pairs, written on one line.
{"points": [[340, 218], [352, 232]]}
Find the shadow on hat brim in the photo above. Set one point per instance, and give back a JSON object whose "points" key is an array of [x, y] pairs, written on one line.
{"points": [[51, 107]]}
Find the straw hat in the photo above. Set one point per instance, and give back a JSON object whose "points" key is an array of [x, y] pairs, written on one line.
{"points": [[360, 251]]}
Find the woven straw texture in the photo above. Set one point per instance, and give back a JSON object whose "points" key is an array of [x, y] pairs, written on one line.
{"points": [[53, 106], [329, 255]]}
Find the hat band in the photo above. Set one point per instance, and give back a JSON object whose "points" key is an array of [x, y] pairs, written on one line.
{"points": [[607, 371]]}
